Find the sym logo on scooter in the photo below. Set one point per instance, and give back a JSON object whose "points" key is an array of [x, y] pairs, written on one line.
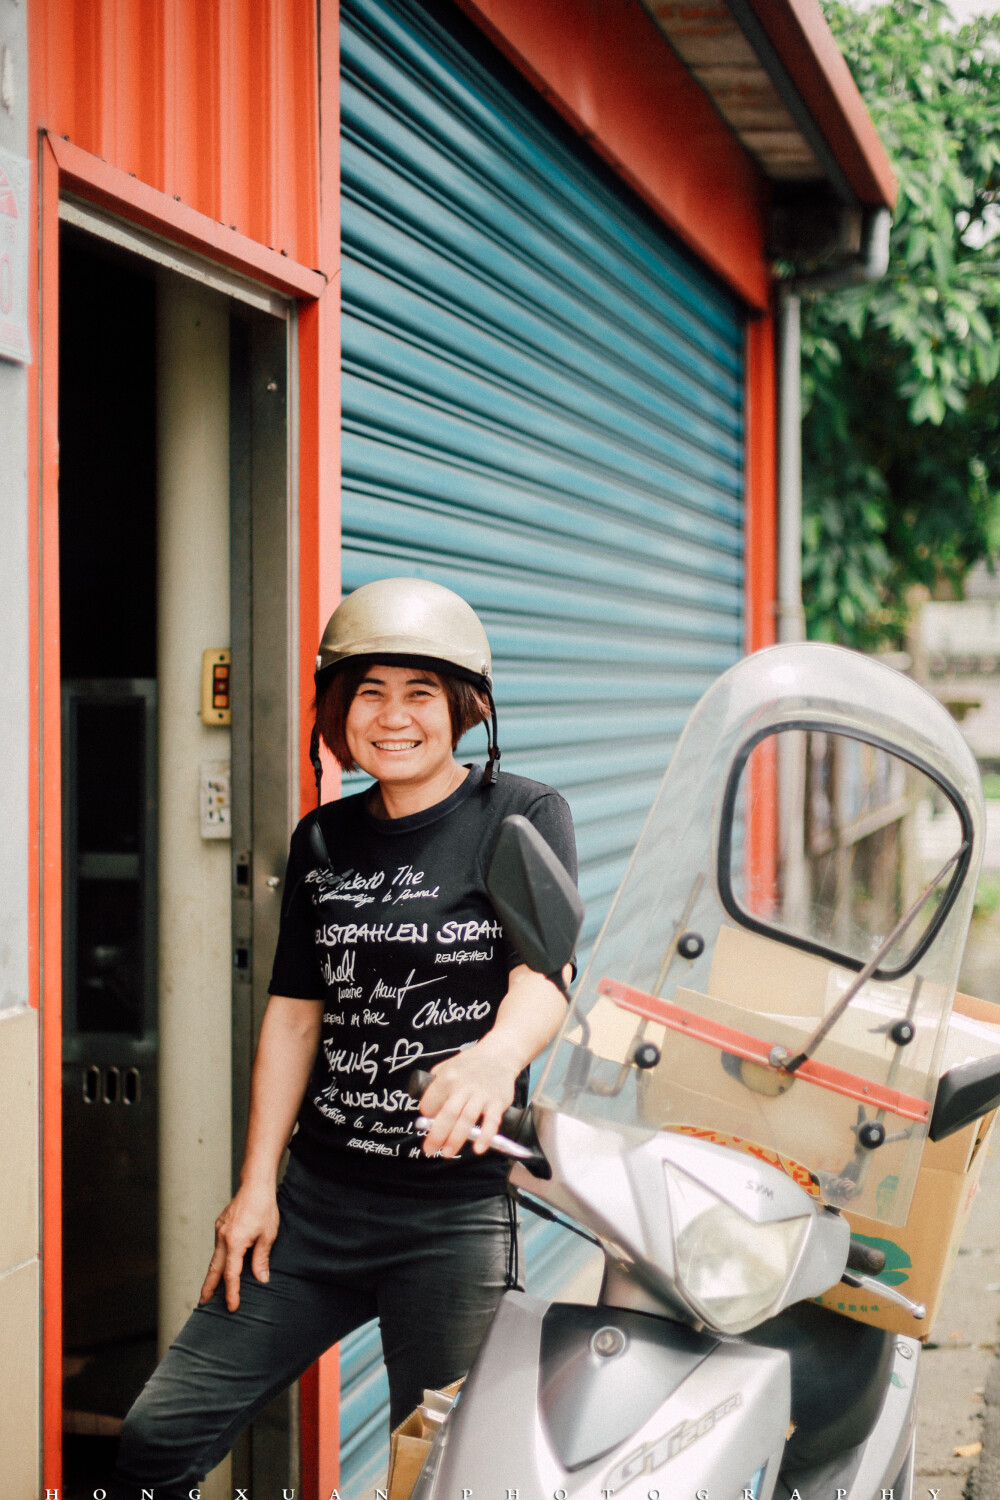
{"points": [[651, 1456]]}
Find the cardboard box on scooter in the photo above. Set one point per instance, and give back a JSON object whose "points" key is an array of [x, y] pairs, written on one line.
{"points": [[755, 974], [752, 972], [769, 990], [920, 1254]]}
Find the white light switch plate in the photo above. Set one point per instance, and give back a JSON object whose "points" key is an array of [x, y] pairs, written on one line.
{"points": [[213, 799]]}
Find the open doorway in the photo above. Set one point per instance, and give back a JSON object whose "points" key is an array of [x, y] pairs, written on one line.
{"points": [[108, 604], [176, 539]]}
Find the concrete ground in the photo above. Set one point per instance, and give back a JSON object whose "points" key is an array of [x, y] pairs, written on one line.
{"points": [[960, 1357], [959, 1399]]}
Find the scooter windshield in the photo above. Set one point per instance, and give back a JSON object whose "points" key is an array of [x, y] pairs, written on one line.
{"points": [[778, 967]]}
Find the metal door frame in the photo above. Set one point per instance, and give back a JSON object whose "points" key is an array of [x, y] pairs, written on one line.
{"points": [[264, 609], [264, 561], [64, 168]]}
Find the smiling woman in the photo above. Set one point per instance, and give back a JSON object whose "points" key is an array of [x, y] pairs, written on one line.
{"points": [[388, 703], [370, 1220], [399, 730]]}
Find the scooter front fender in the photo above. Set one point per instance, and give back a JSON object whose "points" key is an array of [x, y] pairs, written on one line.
{"points": [[596, 1402]]}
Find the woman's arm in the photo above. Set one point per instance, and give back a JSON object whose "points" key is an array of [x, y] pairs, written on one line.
{"points": [[284, 1058], [476, 1085]]}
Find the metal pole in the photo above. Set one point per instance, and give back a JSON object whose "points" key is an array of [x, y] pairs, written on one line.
{"points": [[791, 620], [195, 960]]}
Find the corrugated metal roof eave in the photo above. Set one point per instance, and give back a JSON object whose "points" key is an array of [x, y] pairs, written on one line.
{"points": [[798, 31], [777, 78]]}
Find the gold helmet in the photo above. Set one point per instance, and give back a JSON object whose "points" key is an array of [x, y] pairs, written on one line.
{"points": [[409, 618], [414, 622]]}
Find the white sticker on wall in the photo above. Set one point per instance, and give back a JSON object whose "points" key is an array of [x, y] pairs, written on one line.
{"points": [[213, 798], [15, 226]]}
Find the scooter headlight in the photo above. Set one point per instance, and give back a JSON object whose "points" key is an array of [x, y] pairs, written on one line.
{"points": [[732, 1269]]}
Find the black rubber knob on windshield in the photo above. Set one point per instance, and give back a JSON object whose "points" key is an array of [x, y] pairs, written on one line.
{"points": [[690, 945], [871, 1134]]}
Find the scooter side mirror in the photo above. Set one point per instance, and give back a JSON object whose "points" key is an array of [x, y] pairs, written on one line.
{"points": [[534, 897], [963, 1094], [317, 846]]}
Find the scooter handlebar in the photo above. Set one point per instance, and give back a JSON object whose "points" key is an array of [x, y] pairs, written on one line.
{"points": [[505, 1141], [865, 1258], [420, 1081]]}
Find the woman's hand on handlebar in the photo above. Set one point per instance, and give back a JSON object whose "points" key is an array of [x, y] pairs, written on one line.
{"points": [[475, 1086], [250, 1219], [472, 1088]]}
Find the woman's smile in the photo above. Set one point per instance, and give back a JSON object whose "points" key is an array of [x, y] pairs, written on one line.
{"points": [[399, 730]]}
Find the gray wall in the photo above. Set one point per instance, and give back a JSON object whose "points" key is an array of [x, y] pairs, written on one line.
{"points": [[19, 1229], [13, 570]]}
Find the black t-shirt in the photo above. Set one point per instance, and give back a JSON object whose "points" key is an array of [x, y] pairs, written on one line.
{"points": [[401, 943]]}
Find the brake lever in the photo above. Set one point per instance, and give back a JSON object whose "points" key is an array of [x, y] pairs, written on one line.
{"points": [[868, 1284]]}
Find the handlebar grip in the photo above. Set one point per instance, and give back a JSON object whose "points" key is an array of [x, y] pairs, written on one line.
{"points": [[865, 1258], [418, 1083]]}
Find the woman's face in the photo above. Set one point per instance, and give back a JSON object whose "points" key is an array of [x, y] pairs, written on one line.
{"points": [[399, 726]]}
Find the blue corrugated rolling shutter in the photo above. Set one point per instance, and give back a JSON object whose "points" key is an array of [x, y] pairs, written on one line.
{"points": [[542, 409]]}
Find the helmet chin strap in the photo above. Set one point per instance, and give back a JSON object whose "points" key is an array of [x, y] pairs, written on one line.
{"points": [[493, 758], [317, 764]]}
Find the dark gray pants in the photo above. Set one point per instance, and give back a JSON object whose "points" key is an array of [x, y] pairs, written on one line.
{"points": [[431, 1272]]}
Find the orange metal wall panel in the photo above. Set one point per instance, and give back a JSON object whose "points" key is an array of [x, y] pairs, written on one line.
{"points": [[199, 119], [319, 594], [213, 102], [608, 70]]}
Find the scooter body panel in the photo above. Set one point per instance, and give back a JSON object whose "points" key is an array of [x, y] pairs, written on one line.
{"points": [[884, 1461], [705, 1415], [615, 1182]]}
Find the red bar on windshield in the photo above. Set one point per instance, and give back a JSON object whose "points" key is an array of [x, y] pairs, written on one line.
{"points": [[742, 1044]]}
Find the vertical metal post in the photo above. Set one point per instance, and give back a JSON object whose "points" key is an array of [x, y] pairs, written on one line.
{"points": [[791, 620], [194, 873], [266, 1456]]}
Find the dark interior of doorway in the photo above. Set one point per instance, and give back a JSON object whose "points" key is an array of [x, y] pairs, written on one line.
{"points": [[107, 520]]}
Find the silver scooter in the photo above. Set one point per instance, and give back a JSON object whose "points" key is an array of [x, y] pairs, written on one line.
{"points": [[754, 1051]]}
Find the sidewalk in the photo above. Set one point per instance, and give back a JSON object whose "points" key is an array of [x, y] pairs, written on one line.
{"points": [[959, 1399], [960, 1361]]}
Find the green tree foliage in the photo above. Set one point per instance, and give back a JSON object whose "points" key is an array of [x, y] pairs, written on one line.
{"points": [[901, 437]]}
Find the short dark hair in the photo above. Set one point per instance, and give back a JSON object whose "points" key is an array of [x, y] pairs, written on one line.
{"points": [[467, 707]]}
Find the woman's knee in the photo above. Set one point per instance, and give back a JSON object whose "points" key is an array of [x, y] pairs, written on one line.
{"points": [[159, 1440]]}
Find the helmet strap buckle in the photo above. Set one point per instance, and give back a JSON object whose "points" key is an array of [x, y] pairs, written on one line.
{"points": [[493, 757], [317, 764]]}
